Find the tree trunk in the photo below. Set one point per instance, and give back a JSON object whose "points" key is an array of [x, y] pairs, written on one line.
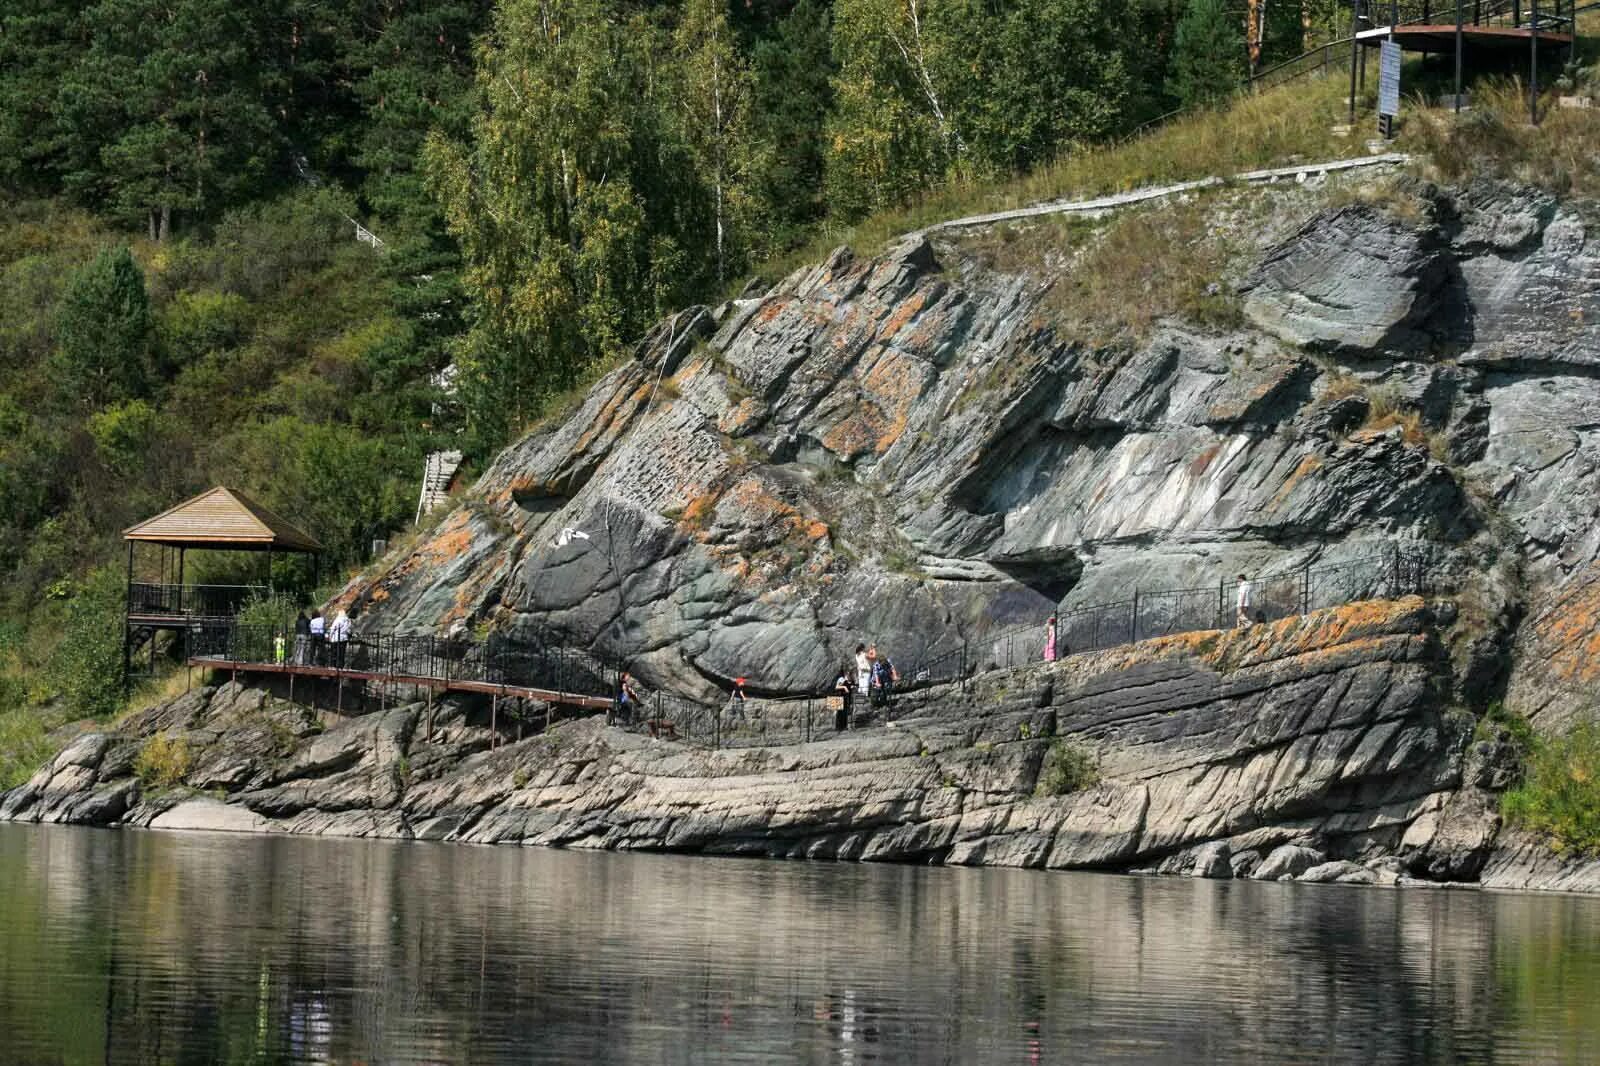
{"points": [[166, 223]]}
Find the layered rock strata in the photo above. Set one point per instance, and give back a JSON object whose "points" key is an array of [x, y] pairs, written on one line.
{"points": [[1317, 748]]}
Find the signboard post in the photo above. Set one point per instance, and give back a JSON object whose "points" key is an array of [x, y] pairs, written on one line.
{"points": [[1388, 86]]}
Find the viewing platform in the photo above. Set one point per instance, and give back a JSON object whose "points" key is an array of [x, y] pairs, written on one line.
{"points": [[1440, 38], [219, 519]]}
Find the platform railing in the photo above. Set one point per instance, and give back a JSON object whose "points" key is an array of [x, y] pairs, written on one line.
{"points": [[195, 601], [549, 663]]}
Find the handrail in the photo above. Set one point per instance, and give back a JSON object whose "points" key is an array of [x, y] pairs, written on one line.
{"points": [[546, 663]]}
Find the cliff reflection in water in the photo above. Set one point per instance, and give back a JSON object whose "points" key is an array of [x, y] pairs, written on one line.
{"points": [[130, 947]]}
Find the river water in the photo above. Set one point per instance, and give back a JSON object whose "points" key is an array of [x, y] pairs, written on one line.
{"points": [[140, 947]]}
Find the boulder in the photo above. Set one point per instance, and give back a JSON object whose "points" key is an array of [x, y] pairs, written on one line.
{"points": [[210, 815], [1340, 870], [1213, 860], [1287, 862]]}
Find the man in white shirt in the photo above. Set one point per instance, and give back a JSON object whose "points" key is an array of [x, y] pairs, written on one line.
{"points": [[1243, 602], [319, 629], [338, 635]]}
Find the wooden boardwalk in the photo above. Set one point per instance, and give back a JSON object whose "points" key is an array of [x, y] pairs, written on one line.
{"points": [[436, 684]]}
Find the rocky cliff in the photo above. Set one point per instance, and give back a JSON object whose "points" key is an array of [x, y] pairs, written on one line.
{"points": [[928, 446], [1320, 748], [967, 432]]}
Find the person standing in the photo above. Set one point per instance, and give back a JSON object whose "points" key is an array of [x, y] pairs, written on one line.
{"points": [[1244, 599], [302, 638], [627, 699], [863, 671], [338, 637], [736, 701], [318, 630], [277, 648], [843, 690], [1050, 640]]}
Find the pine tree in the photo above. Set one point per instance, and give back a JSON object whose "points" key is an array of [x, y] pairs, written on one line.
{"points": [[103, 332], [1208, 54], [414, 76], [39, 43], [166, 109], [792, 94]]}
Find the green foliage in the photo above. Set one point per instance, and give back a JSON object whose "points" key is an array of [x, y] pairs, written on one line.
{"points": [[792, 90], [167, 110], [163, 761], [1208, 54], [1498, 723], [85, 670], [573, 205], [103, 330], [1067, 769], [124, 434], [1559, 797]]}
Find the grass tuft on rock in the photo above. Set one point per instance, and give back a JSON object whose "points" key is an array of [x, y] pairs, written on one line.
{"points": [[1068, 768], [163, 762], [1559, 797]]}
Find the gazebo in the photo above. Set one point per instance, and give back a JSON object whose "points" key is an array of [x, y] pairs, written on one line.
{"points": [[220, 519]]}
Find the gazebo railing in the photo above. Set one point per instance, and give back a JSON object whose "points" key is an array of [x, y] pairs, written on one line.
{"points": [[196, 601]]}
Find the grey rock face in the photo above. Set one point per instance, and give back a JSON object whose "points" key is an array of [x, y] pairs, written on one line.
{"points": [[1342, 871], [1352, 280], [1213, 860], [1288, 862]]}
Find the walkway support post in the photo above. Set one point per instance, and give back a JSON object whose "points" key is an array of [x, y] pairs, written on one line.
{"points": [[1355, 50], [1460, 43], [1533, 77]]}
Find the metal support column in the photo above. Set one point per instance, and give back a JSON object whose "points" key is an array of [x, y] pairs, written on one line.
{"points": [[1355, 51], [1460, 42], [1533, 77]]}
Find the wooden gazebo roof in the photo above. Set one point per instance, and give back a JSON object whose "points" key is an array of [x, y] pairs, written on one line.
{"points": [[223, 518]]}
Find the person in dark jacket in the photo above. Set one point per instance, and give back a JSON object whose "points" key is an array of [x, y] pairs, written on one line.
{"points": [[302, 639], [627, 699], [843, 690]]}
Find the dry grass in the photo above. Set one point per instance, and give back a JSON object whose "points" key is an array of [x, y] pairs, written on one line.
{"points": [[1341, 385], [1280, 127], [1495, 139]]}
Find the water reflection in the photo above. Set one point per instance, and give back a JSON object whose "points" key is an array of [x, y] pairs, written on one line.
{"points": [[158, 948]]}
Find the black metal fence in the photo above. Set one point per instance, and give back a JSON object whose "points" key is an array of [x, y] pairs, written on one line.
{"points": [[1555, 16], [197, 601], [548, 662], [495, 661]]}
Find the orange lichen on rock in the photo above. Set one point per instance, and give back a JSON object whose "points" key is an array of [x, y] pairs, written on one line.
{"points": [[854, 434], [1568, 636], [770, 310], [903, 313], [621, 405], [451, 541], [739, 417], [1309, 464]]}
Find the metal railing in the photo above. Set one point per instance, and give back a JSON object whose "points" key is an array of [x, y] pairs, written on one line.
{"points": [[394, 657], [1378, 14], [548, 662], [199, 601]]}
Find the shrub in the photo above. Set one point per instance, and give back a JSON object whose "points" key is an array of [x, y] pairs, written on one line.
{"points": [[86, 665], [1067, 769], [163, 762], [1559, 797]]}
